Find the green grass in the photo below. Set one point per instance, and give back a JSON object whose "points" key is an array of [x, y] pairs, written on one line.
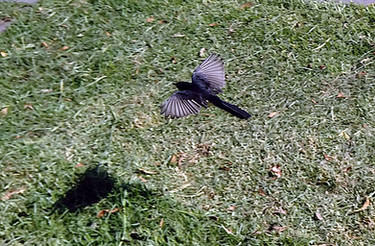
{"points": [[98, 101]]}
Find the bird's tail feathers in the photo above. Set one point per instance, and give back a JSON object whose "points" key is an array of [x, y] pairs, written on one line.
{"points": [[233, 109]]}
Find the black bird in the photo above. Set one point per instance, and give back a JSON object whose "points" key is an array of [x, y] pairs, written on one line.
{"points": [[207, 81]]}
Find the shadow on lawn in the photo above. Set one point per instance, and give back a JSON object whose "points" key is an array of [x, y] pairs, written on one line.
{"points": [[147, 216], [132, 213], [93, 185]]}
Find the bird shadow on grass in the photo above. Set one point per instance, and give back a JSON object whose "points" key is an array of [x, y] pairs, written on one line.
{"points": [[91, 187], [132, 206], [138, 214]]}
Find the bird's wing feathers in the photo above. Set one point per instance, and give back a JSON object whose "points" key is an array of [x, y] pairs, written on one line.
{"points": [[180, 104], [211, 71]]}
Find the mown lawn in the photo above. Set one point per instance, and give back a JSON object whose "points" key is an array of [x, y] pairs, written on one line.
{"points": [[82, 82]]}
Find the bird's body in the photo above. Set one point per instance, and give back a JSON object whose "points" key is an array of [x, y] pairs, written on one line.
{"points": [[207, 81]]}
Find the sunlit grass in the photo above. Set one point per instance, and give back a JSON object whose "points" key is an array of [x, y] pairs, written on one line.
{"points": [[82, 82]]}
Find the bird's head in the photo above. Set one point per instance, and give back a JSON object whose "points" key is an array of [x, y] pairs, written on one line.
{"points": [[182, 85]]}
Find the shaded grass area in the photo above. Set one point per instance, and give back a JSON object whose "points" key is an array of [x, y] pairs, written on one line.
{"points": [[82, 82], [145, 216]]}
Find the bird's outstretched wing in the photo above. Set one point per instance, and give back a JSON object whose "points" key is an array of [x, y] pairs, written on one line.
{"points": [[211, 72], [180, 104]]}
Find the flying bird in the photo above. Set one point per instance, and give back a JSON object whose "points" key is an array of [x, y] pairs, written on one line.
{"points": [[207, 81]]}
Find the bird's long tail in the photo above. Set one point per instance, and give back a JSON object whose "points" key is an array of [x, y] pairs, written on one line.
{"points": [[233, 109]]}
